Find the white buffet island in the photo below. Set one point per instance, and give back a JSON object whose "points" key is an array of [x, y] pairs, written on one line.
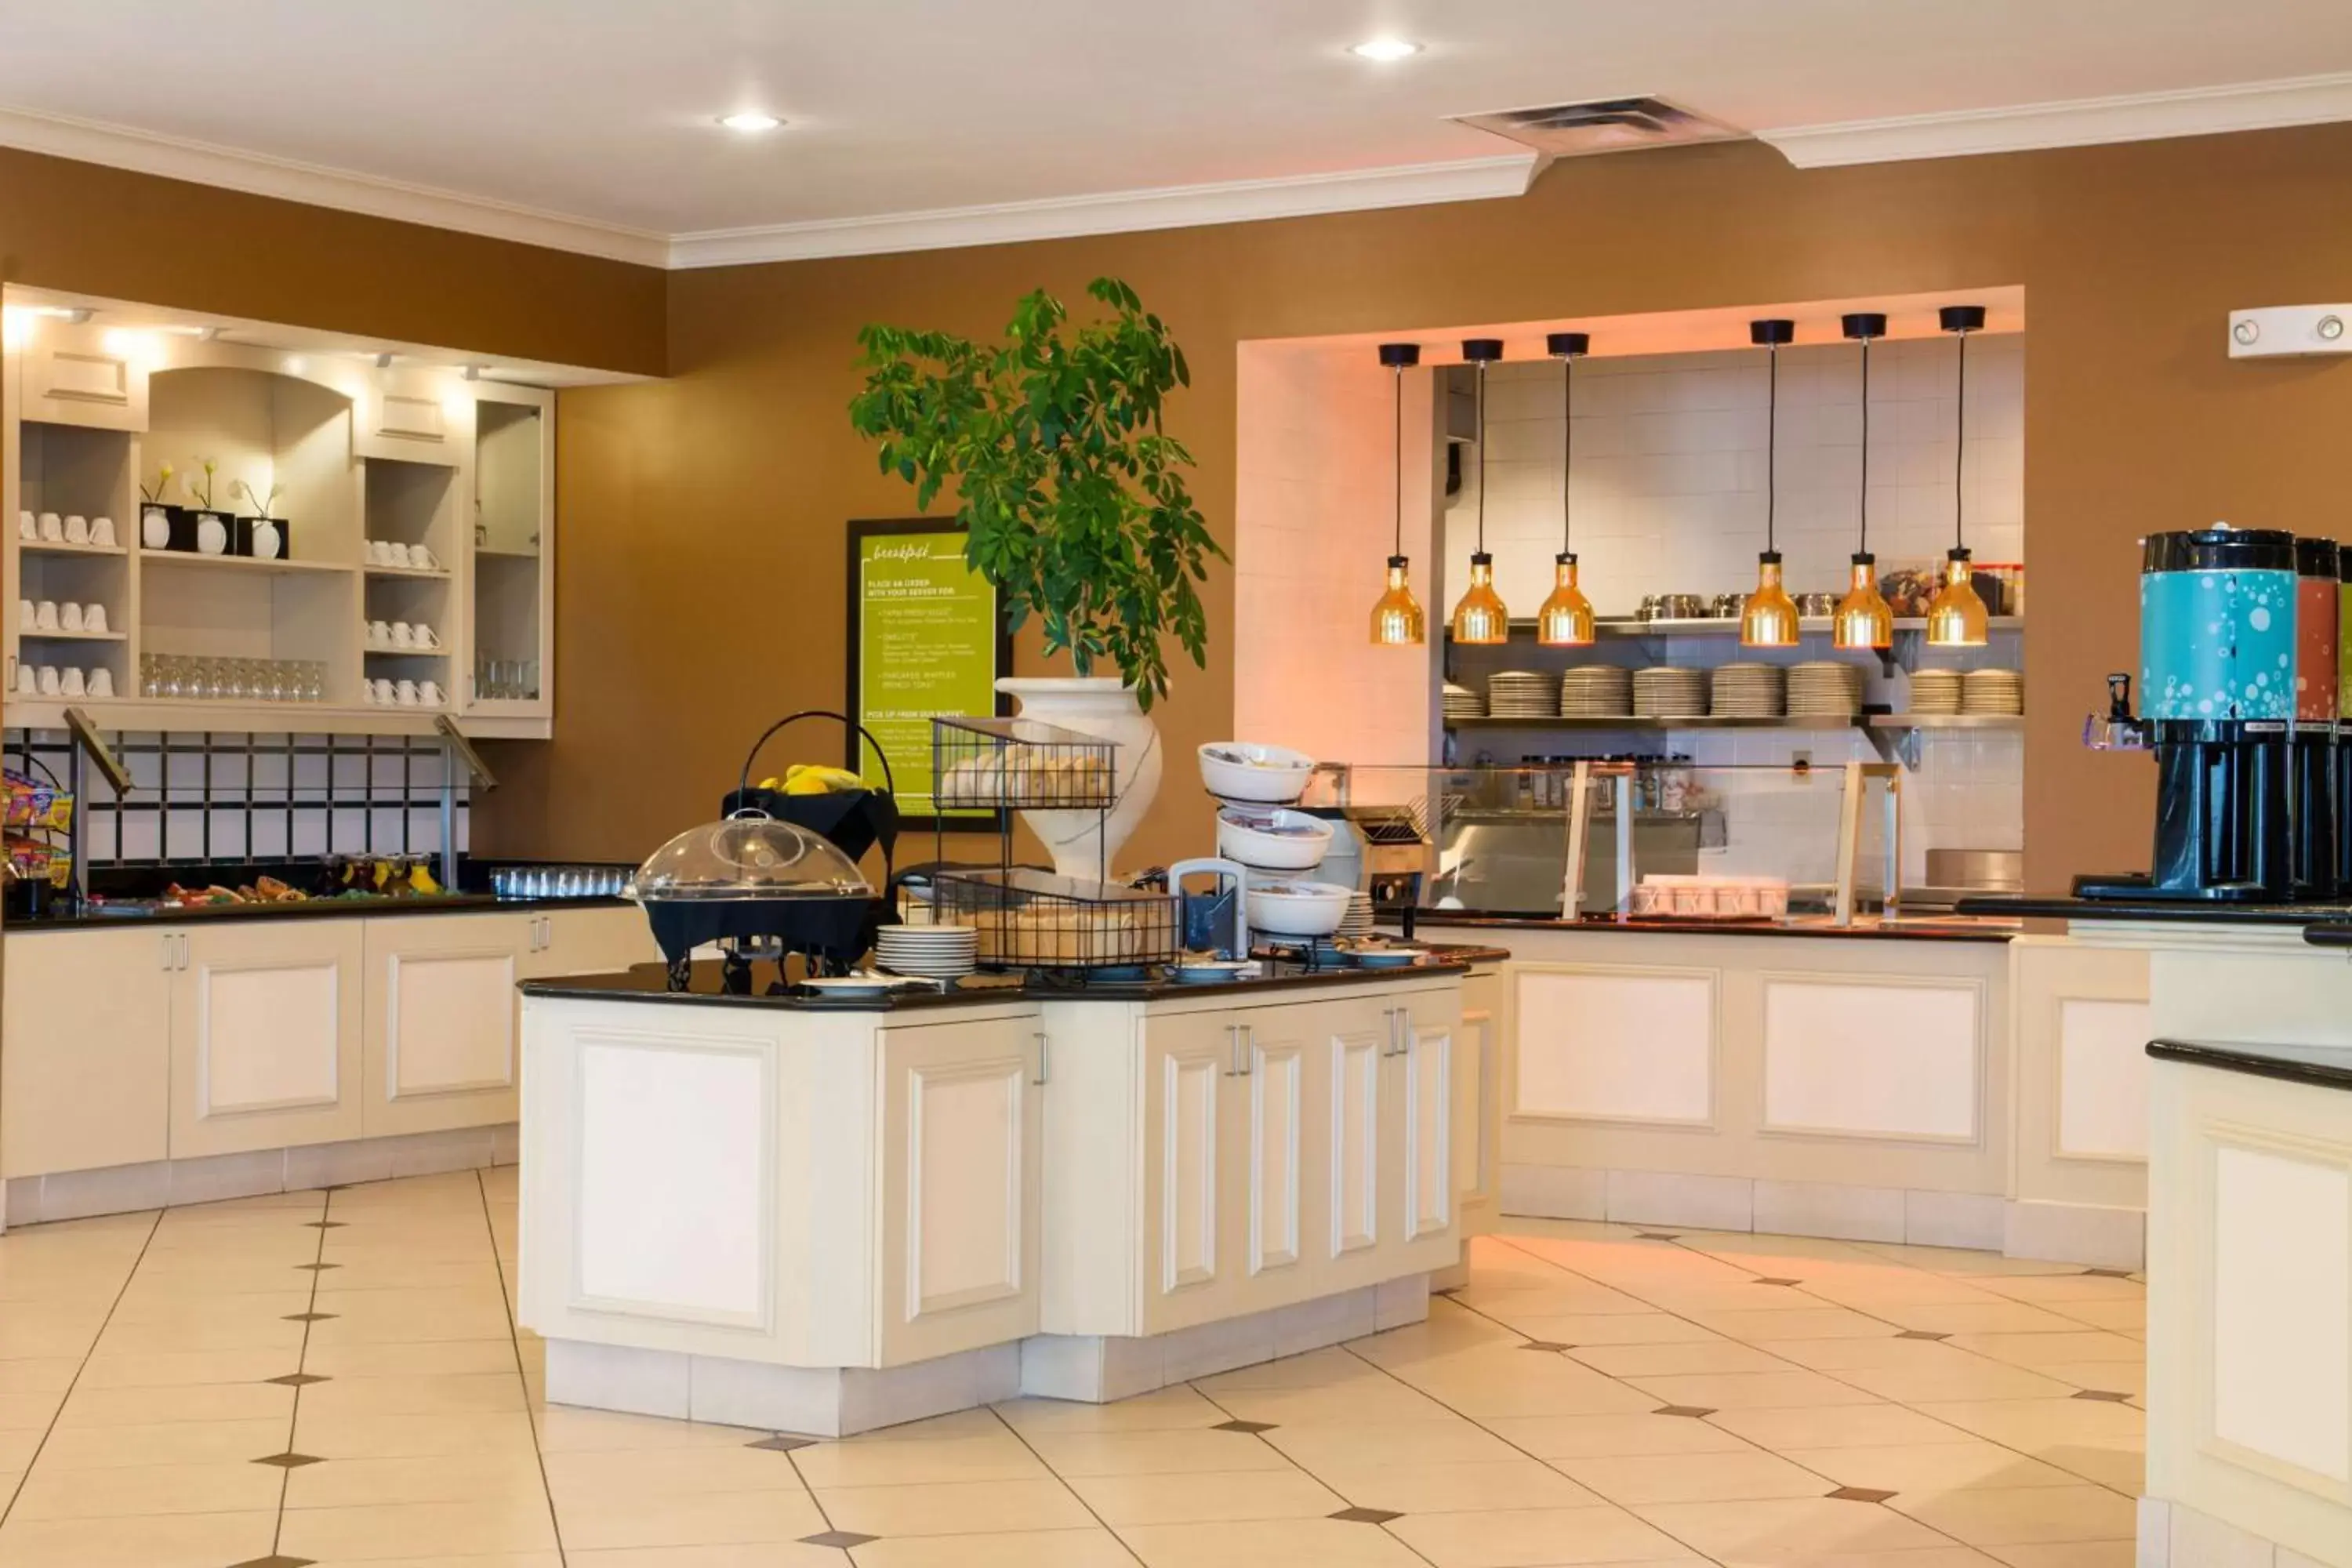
{"points": [[825, 1217]]}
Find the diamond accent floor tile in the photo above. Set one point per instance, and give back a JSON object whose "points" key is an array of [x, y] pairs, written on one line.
{"points": [[1693, 1411], [1244, 1427], [297, 1379], [1921, 1334], [2108, 1273], [290, 1461], [1860, 1494], [1659, 1234], [316, 1268], [1546, 1346], [1779, 1282], [308, 1317], [838, 1538], [324, 1223], [2108, 1395], [783, 1444], [1364, 1515], [275, 1560]]}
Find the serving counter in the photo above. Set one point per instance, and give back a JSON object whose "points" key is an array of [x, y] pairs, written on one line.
{"points": [[828, 1215]]}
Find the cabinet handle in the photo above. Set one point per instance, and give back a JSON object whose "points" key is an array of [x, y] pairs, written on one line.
{"points": [[1388, 1046], [170, 957], [1232, 1050], [1249, 1049], [1404, 1031], [1040, 1078]]}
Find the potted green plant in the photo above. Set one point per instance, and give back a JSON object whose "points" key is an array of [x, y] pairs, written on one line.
{"points": [[1075, 504]]}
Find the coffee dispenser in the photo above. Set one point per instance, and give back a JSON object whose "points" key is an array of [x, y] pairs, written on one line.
{"points": [[2314, 760], [2217, 640]]}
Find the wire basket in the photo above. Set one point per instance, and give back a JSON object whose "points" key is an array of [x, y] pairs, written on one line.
{"points": [[1019, 764], [1029, 918]]}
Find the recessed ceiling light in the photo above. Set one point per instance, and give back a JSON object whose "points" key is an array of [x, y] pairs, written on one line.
{"points": [[1385, 48], [750, 119]]}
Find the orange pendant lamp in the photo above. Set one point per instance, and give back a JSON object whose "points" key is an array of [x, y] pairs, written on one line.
{"points": [[1480, 617], [1397, 620], [1566, 618], [1865, 619], [1768, 617], [1956, 615]]}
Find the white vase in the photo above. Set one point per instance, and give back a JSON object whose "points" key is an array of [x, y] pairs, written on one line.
{"points": [[154, 528], [1086, 844], [265, 540], [211, 534]]}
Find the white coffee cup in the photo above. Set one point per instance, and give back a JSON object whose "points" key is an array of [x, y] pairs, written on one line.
{"points": [[102, 682], [72, 682], [422, 559], [25, 613], [45, 615], [76, 530], [428, 693], [404, 694], [379, 553], [53, 528], [27, 527], [381, 691], [426, 636], [379, 633], [93, 619], [29, 684], [403, 635], [49, 682], [102, 532], [399, 553], [69, 616]]}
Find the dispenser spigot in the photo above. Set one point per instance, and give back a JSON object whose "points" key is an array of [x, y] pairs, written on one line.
{"points": [[2118, 731]]}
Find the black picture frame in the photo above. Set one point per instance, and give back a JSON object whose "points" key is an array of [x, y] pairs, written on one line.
{"points": [[860, 531]]}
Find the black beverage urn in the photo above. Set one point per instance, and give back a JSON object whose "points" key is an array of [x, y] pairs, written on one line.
{"points": [[2315, 762], [2217, 639]]}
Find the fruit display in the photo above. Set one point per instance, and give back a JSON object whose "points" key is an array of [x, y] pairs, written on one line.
{"points": [[814, 778]]}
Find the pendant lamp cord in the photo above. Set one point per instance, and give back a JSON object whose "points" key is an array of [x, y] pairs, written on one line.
{"points": [[1567, 446], [1482, 457], [1400, 461], [1959, 451], [1866, 446], [1771, 442]]}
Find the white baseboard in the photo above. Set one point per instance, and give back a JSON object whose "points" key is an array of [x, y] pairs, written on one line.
{"points": [[2076, 1233], [2174, 1535]]}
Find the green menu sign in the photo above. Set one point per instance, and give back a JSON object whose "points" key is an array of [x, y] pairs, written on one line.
{"points": [[925, 638]]}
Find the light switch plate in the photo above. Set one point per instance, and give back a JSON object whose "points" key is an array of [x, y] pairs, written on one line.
{"points": [[2291, 329]]}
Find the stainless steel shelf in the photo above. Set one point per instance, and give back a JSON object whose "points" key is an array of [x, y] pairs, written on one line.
{"points": [[1947, 721], [1699, 721], [1811, 626]]}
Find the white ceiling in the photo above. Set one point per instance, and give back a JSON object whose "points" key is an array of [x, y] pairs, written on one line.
{"points": [[589, 123]]}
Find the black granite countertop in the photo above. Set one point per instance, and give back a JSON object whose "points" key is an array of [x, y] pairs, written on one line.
{"points": [[126, 916], [2325, 1067], [2194, 911], [1905, 927], [650, 983]]}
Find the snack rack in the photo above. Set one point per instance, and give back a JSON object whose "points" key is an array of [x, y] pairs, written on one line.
{"points": [[39, 834], [1029, 918]]}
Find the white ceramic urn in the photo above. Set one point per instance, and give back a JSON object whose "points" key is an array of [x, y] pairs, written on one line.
{"points": [[1086, 844]]}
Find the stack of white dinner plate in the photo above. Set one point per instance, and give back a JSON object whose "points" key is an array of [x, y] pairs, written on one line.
{"points": [[1461, 702], [1993, 691], [1935, 690], [1827, 689], [934, 953], [1670, 692], [1521, 694], [1749, 691], [1596, 691]]}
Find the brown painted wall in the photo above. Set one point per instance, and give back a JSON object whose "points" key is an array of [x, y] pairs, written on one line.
{"points": [[88, 229]]}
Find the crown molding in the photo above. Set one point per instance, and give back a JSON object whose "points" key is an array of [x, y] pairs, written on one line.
{"points": [[1118, 212], [201, 162], [2078, 123]]}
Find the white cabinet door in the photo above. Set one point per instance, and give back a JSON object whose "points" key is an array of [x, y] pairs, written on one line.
{"points": [[1264, 1179], [1420, 1067], [1477, 1102], [597, 940], [85, 1049], [84, 376], [1351, 1092], [1187, 1060], [416, 417], [961, 1132], [439, 1045], [265, 1036]]}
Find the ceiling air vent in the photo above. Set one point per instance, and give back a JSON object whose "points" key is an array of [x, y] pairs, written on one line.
{"points": [[1606, 125]]}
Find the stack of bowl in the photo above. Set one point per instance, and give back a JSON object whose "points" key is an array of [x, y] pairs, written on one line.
{"points": [[1461, 702], [1935, 690], [1993, 691]]}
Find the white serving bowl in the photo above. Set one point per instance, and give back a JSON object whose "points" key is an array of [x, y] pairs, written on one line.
{"points": [[1286, 841], [1243, 770], [1297, 909]]}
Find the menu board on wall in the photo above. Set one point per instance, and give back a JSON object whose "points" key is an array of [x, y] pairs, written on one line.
{"points": [[926, 638]]}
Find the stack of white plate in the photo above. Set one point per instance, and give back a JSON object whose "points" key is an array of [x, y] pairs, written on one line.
{"points": [[1357, 921], [934, 953], [1993, 691], [1521, 694], [1828, 688], [1461, 702], [1670, 692], [1596, 691], [1749, 691], [1935, 690]]}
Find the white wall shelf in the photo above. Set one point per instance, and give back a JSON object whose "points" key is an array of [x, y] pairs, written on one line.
{"points": [[57, 547], [63, 636]]}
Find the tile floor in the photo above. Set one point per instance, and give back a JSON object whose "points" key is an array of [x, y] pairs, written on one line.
{"points": [[335, 1378]]}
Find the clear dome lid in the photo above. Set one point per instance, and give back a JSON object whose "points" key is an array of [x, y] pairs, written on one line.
{"points": [[749, 856]]}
